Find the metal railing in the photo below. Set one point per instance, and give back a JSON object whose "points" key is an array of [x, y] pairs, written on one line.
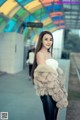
{"points": [[77, 69]]}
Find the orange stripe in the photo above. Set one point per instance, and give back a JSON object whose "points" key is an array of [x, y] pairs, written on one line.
{"points": [[49, 1], [55, 14], [58, 22]]}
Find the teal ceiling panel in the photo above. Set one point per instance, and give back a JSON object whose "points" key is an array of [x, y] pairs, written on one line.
{"points": [[30, 18], [2, 25], [21, 13], [1, 19], [9, 26], [23, 2], [2, 2]]}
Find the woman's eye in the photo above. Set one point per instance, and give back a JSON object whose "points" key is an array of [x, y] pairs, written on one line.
{"points": [[45, 38], [50, 39]]}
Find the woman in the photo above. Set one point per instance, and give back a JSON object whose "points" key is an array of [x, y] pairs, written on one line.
{"points": [[30, 59], [44, 77]]}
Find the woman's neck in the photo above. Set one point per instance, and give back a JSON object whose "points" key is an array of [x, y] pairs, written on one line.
{"points": [[44, 50]]}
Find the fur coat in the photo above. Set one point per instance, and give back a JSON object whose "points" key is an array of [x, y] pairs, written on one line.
{"points": [[49, 81]]}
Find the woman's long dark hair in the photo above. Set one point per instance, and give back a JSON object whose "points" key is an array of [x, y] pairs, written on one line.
{"points": [[38, 47]]}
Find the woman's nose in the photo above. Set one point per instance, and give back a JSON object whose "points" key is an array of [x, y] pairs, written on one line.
{"points": [[49, 41]]}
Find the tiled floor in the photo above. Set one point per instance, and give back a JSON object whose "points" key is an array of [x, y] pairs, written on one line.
{"points": [[18, 97]]}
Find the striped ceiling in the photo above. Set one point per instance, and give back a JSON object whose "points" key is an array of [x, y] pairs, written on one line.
{"points": [[54, 14], [14, 12]]}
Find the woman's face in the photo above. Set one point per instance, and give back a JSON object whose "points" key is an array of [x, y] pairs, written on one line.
{"points": [[47, 41]]}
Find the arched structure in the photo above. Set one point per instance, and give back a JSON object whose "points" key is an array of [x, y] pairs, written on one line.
{"points": [[54, 14], [14, 12]]}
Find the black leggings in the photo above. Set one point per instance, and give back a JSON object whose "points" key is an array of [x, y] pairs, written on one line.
{"points": [[49, 107], [30, 69]]}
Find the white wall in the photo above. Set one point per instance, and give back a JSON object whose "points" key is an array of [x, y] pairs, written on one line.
{"points": [[11, 52], [58, 43]]}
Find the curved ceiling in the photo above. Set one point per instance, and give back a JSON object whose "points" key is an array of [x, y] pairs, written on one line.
{"points": [[54, 14], [14, 12]]}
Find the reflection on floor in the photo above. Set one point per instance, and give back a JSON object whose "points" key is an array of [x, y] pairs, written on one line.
{"points": [[2, 73]]}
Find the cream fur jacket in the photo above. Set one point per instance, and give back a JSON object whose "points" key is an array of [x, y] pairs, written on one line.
{"points": [[50, 82]]}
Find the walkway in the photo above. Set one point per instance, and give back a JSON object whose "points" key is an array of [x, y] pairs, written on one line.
{"points": [[18, 98]]}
